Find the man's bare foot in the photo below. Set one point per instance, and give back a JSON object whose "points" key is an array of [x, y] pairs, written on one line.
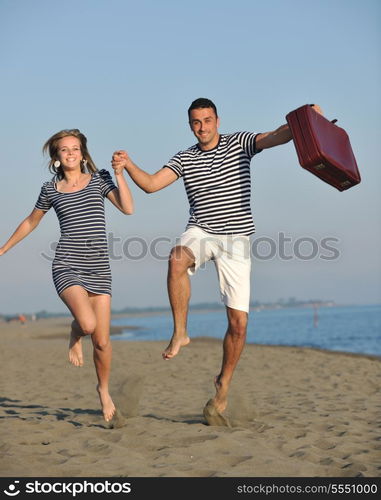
{"points": [[108, 407], [175, 345], [213, 416], [220, 400], [75, 349]]}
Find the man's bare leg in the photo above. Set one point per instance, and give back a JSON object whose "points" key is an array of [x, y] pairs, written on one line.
{"points": [[179, 290], [233, 344]]}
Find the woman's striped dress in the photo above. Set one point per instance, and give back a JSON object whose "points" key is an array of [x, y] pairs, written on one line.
{"points": [[81, 256]]}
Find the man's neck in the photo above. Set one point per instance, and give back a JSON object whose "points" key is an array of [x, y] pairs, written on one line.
{"points": [[208, 147]]}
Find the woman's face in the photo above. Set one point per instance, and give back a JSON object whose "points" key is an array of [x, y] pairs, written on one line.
{"points": [[69, 152]]}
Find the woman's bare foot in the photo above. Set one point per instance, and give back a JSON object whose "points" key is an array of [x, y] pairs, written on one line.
{"points": [[177, 341], [108, 407], [75, 349]]}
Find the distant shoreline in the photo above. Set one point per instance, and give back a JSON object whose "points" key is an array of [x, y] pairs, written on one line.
{"points": [[59, 327], [198, 308]]}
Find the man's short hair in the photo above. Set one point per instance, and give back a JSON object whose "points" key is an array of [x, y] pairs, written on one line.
{"points": [[200, 103]]}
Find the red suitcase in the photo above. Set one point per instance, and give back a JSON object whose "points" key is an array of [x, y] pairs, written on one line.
{"points": [[323, 148]]}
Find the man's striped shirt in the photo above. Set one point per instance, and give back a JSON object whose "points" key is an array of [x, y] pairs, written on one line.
{"points": [[218, 183]]}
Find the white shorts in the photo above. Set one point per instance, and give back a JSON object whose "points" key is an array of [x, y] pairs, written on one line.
{"points": [[231, 256]]}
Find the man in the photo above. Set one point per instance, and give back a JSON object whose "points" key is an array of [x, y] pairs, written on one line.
{"points": [[216, 173]]}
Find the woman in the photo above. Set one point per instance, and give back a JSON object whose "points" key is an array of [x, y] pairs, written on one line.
{"points": [[81, 269]]}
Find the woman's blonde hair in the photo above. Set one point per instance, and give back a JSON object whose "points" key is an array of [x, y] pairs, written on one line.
{"points": [[51, 146]]}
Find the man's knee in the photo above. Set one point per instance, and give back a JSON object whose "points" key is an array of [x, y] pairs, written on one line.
{"points": [[180, 259], [238, 324]]}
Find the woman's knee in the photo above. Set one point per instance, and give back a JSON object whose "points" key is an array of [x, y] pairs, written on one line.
{"points": [[87, 326], [101, 343]]}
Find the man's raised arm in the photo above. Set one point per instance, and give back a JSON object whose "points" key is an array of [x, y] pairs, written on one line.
{"points": [[147, 182], [274, 138], [279, 136]]}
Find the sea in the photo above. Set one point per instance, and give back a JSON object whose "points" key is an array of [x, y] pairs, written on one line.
{"points": [[353, 329]]}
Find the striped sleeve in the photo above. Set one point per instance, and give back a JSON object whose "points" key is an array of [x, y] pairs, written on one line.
{"points": [[107, 184], [247, 142], [175, 164], [43, 202]]}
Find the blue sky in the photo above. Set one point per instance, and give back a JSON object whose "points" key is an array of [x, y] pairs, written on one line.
{"points": [[125, 73]]}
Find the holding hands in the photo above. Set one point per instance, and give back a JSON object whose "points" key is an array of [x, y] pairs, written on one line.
{"points": [[122, 196], [119, 162]]}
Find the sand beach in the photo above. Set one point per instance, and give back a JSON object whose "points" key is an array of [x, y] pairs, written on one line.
{"points": [[294, 412]]}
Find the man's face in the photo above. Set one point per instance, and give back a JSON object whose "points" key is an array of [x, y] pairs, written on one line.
{"points": [[204, 124]]}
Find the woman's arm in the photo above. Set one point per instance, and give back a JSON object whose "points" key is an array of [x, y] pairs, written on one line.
{"points": [[25, 228], [121, 197], [149, 183]]}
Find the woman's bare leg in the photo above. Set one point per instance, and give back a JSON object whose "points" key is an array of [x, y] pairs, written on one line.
{"points": [[101, 305], [77, 300]]}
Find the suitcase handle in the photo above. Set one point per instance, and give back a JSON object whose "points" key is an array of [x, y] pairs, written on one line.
{"points": [[332, 121]]}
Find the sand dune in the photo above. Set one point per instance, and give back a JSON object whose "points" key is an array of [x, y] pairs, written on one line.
{"points": [[294, 412]]}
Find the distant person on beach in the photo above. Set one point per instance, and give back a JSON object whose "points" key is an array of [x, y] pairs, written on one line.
{"points": [[216, 174], [81, 269]]}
